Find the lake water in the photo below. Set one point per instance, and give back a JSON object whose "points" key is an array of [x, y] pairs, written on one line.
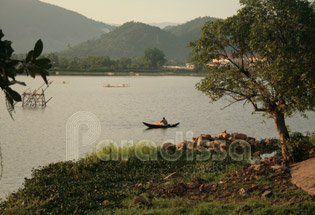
{"points": [[38, 136]]}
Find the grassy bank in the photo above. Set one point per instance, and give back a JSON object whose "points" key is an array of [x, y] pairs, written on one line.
{"points": [[134, 186]]}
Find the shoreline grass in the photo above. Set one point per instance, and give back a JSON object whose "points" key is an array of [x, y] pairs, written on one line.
{"points": [[94, 186]]}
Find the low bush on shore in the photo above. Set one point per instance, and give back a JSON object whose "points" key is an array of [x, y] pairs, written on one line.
{"points": [[99, 184]]}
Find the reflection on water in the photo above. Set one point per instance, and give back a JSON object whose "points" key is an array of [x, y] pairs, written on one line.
{"points": [[38, 137]]}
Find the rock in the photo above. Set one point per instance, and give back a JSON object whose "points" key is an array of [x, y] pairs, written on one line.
{"points": [[202, 143], [173, 176], [197, 139], [209, 144], [303, 176], [215, 145], [266, 194], [181, 146], [201, 140], [239, 136], [223, 135], [191, 146], [207, 137], [210, 149], [251, 140], [169, 146]]}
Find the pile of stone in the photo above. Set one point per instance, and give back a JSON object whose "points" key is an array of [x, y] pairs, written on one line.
{"points": [[220, 142]]}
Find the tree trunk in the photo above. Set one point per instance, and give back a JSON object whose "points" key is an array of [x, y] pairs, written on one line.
{"points": [[279, 121]]}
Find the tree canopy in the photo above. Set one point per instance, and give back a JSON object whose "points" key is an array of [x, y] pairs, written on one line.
{"points": [[154, 58], [265, 57], [9, 68]]}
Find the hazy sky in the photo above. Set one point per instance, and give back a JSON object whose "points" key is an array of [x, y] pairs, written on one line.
{"points": [[149, 11]]}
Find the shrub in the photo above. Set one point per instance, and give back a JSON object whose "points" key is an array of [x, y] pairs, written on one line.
{"points": [[312, 137], [298, 147]]}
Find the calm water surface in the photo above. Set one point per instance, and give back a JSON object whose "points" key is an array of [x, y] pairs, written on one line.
{"points": [[38, 136]]}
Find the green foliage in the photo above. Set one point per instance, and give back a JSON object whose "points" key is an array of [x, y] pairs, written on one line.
{"points": [[298, 147], [10, 67], [92, 186], [190, 30], [266, 58], [180, 206], [154, 58], [271, 46], [311, 137], [132, 38], [129, 40], [83, 186], [96, 63]]}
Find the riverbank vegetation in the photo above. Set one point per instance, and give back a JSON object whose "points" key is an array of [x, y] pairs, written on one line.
{"points": [[103, 184], [150, 63], [265, 58], [31, 64]]}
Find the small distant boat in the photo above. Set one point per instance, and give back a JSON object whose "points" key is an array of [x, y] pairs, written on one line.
{"points": [[116, 85], [160, 126]]}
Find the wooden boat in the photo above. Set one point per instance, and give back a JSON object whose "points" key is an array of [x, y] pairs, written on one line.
{"points": [[116, 85], [160, 126]]}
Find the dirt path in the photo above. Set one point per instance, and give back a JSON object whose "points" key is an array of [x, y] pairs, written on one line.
{"points": [[303, 175]]}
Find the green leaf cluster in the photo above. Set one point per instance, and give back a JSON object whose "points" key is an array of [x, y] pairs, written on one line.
{"points": [[154, 58], [269, 46], [9, 68]]}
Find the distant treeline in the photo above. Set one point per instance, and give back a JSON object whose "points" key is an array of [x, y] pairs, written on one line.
{"points": [[152, 60], [95, 63]]}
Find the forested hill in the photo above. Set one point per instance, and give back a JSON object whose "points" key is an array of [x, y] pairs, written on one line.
{"points": [[25, 21], [129, 40], [190, 30], [132, 38]]}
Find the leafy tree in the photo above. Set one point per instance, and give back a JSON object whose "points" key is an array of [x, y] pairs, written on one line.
{"points": [[9, 68], [154, 58], [270, 47], [54, 59]]}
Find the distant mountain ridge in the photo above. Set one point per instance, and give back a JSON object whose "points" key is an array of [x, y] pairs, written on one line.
{"points": [[132, 38], [128, 40], [25, 21]]}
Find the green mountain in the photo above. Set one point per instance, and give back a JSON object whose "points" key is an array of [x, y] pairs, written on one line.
{"points": [[190, 30], [132, 38], [25, 21]]}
